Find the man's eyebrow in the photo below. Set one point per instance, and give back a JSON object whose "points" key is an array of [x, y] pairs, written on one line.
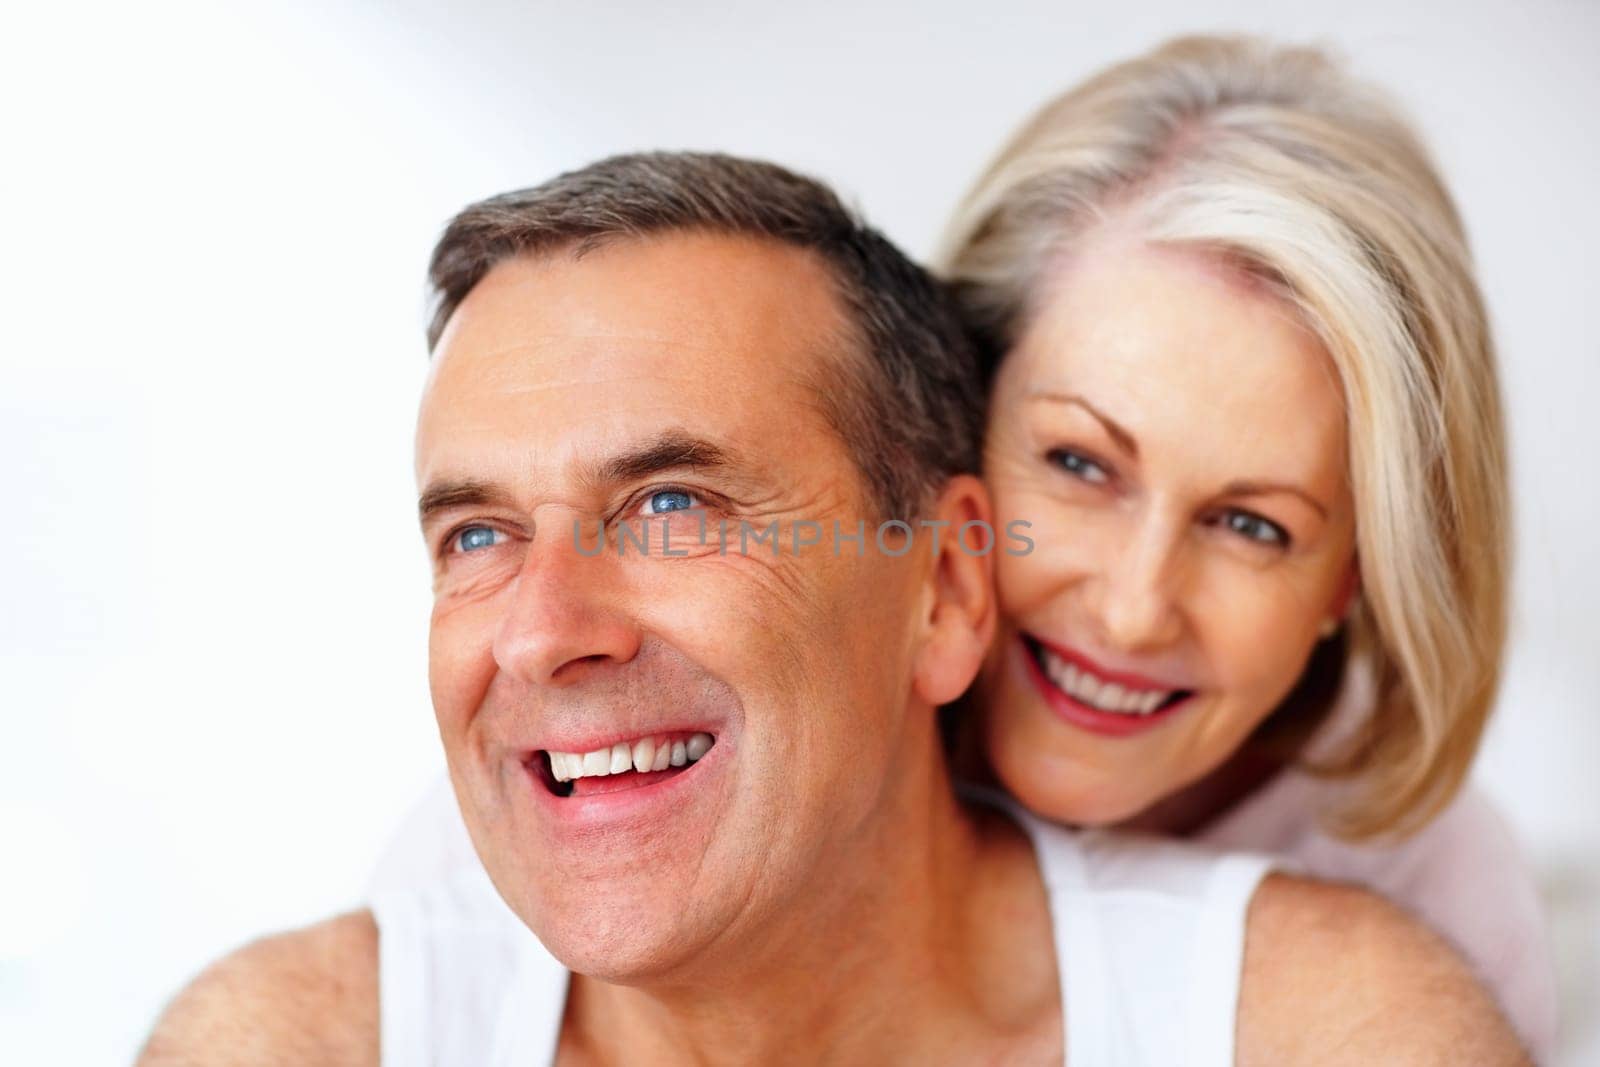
{"points": [[442, 496], [671, 450], [1121, 436]]}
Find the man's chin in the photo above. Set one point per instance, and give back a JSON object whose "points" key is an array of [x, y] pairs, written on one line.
{"points": [[621, 945], [613, 887]]}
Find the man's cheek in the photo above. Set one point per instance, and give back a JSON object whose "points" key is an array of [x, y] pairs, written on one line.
{"points": [[460, 668]]}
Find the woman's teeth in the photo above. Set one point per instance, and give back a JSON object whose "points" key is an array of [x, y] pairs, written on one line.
{"points": [[1086, 688], [645, 754]]}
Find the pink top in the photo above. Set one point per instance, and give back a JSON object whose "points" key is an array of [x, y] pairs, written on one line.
{"points": [[1462, 874]]}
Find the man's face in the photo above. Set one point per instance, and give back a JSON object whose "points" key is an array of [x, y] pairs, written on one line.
{"points": [[615, 390]]}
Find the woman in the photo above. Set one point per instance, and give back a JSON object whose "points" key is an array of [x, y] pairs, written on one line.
{"points": [[1243, 390]]}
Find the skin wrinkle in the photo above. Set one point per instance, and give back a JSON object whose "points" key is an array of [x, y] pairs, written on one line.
{"points": [[727, 476], [818, 369], [756, 476], [702, 463]]}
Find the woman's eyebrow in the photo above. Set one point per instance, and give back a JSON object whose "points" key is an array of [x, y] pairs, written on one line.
{"points": [[1254, 488], [1121, 436]]}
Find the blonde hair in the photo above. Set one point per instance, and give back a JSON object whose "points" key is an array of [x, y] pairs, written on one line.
{"points": [[1274, 159]]}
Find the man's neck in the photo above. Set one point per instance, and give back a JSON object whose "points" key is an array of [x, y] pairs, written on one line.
{"points": [[932, 937]]}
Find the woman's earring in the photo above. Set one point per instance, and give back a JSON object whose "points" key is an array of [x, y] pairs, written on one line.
{"points": [[1327, 627]]}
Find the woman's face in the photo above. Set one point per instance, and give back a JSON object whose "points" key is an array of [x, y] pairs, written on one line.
{"points": [[1176, 438]]}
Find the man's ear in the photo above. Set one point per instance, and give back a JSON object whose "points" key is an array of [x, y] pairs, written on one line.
{"points": [[959, 605]]}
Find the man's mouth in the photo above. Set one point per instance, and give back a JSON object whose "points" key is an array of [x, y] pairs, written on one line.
{"points": [[624, 765], [1078, 681]]}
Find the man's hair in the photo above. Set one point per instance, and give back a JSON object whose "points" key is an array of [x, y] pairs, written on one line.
{"points": [[909, 406]]}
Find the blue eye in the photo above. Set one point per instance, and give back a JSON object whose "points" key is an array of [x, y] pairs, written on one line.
{"points": [[1255, 528], [670, 500], [1079, 466], [475, 537]]}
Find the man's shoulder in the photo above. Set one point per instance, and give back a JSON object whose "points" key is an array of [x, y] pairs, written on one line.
{"points": [[307, 996], [1336, 974]]}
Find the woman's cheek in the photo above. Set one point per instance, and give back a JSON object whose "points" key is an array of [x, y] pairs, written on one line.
{"points": [[1068, 541], [1252, 632]]}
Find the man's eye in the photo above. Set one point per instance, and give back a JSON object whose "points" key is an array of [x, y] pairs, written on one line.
{"points": [[1255, 528], [667, 500], [475, 537], [1079, 466]]}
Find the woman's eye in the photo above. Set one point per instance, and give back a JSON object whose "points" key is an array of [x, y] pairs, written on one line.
{"points": [[1255, 528], [475, 537], [1079, 466], [668, 500]]}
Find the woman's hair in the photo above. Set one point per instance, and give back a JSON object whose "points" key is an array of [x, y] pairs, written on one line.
{"points": [[1273, 159]]}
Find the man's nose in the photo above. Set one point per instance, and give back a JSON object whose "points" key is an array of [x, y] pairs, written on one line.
{"points": [[1136, 600], [566, 615]]}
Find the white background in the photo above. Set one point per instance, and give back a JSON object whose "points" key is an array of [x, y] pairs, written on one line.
{"points": [[214, 603]]}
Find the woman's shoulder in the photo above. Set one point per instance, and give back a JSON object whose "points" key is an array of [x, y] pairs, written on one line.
{"points": [[1463, 874]]}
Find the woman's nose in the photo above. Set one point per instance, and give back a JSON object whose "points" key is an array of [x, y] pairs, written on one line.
{"points": [[1134, 600]]}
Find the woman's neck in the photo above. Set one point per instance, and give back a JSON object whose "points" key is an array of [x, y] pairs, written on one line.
{"points": [[1180, 814], [1196, 806]]}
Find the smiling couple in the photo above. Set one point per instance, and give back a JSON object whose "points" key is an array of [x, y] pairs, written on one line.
{"points": [[1210, 323]]}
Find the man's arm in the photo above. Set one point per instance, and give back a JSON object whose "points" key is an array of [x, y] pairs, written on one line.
{"points": [[306, 997], [1334, 974]]}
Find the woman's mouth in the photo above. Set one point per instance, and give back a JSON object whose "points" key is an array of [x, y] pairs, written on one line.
{"points": [[1089, 699]]}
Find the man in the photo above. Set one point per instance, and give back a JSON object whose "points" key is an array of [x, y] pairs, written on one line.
{"points": [[629, 361]]}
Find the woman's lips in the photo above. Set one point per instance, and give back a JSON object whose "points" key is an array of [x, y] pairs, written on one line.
{"points": [[1112, 705]]}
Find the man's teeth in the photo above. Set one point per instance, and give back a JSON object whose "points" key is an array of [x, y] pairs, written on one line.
{"points": [[645, 754], [1085, 688]]}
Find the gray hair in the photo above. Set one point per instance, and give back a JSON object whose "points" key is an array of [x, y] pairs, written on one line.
{"points": [[910, 408]]}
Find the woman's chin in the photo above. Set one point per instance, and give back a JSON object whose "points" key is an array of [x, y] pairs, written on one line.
{"points": [[1089, 798], [1081, 787]]}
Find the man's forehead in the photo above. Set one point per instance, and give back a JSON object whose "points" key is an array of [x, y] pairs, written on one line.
{"points": [[696, 286], [725, 337]]}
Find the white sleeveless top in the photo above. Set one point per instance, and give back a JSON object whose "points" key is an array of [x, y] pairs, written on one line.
{"points": [[1149, 937]]}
